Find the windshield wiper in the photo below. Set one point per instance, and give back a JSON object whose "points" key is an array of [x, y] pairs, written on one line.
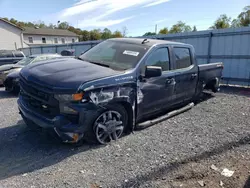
{"points": [[93, 62]]}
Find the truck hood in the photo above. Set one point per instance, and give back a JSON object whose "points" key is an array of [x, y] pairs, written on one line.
{"points": [[8, 67], [65, 74]]}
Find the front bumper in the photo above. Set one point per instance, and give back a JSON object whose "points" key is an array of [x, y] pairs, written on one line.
{"points": [[64, 127]]}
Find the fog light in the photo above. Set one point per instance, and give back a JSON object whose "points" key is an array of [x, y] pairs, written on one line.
{"points": [[67, 110], [74, 136]]}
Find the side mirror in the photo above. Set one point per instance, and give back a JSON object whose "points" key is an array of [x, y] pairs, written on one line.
{"points": [[153, 71]]}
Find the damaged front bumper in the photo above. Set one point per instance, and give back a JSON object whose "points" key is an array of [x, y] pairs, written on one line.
{"points": [[68, 131]]}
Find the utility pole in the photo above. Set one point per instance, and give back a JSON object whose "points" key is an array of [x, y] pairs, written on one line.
{"points": [[156, 29]]}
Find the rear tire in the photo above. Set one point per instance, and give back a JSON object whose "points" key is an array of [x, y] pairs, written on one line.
{"points": [[109, 124]]}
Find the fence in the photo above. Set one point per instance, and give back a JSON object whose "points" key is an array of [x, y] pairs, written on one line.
{"points": [[230, 46]]}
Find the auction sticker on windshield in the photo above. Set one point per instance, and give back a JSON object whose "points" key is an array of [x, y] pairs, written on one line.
{"points": [[127, 52]]}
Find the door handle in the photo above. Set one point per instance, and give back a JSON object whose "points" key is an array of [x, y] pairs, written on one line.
{"points": [[170, 81], [194, 75]]}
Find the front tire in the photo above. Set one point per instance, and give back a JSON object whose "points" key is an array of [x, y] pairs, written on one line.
{"points": [[110, 124]]}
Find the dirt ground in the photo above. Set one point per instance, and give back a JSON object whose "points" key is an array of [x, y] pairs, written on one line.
{"points": [[178, 152], [198, 172]]}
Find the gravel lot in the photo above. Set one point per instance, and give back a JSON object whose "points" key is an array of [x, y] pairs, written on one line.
{"points": [[35, 159]]}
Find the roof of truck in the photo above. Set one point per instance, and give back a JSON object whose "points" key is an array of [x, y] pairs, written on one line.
{"points": [[150, 42]]}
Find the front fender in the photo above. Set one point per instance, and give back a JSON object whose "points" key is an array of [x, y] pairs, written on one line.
{"points": [[125, 93]]}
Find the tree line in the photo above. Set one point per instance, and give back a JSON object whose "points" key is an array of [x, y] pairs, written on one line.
{"points": [[223, 21]]}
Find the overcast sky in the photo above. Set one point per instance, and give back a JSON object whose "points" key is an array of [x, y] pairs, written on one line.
{"points": [[139, 16]]}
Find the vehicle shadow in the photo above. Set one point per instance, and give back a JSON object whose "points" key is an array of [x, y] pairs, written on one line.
{"points": [[233, 90], [23, 151], [164, 114], [159, 172], [4, 94], [204, 97]]}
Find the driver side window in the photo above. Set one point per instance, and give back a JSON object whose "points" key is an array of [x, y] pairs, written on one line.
{"points": [[159, 58]]}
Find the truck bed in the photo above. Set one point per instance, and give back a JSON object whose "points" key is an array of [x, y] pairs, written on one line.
{"points": [[208, 72]]}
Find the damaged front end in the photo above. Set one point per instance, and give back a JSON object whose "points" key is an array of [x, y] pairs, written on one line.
{"points": [[71, 116]]}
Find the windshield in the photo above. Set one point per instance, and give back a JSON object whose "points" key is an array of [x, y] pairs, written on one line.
{"points": [[25, 61], [115, 54]]}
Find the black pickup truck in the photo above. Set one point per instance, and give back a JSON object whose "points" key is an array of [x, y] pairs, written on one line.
{"points": [[112, 87]]}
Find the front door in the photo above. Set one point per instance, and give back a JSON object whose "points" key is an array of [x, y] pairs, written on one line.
{"points": [[154, 93], [186, 74]]}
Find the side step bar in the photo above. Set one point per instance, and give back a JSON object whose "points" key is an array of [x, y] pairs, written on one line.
{"points": [[149, 123]]}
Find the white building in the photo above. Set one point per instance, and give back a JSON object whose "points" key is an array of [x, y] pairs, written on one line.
{"points": [[13, 37], [44, 36], [10, 36]]}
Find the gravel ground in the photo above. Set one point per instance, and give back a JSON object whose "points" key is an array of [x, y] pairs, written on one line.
{"points": [[214, 127]]}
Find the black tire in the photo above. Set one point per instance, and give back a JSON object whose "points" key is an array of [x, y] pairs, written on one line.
{"points": [[91, 136], [31, 125]]}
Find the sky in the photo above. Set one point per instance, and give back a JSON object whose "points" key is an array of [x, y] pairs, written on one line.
{"points": [[138, 16]]}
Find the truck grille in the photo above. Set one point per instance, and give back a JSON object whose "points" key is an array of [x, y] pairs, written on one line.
{"points": [[38, 100]]}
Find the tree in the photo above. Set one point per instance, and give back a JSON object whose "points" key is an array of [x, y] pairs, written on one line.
{"points": [[117, 34], [124, 31], [6, 19], [29, 24], [85, 35], [20, 24], [106, 34], [63, 25], [95, 34], [222, 22], [51, 26], [244, 17], [180, 27], [39, 24], [235, 23], [164, 31], [12, 20], [194, 29], [149, 34]]}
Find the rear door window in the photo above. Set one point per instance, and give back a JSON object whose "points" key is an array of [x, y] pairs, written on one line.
{"points": [[182, 57]]}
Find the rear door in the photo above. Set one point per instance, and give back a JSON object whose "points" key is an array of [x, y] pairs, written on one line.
{"points": [[186, 76], [156, 92]]}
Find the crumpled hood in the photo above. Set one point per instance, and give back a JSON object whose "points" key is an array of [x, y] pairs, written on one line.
{"points": [[68, 73], [8, 67]]}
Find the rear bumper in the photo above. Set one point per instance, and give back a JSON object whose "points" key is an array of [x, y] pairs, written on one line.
{"points": [[65, 129]]}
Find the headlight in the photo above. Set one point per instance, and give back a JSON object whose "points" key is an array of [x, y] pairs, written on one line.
{"points": [[69, 97]]}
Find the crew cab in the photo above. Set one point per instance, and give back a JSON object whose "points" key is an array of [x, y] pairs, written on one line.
{"points": [[111, 87]]}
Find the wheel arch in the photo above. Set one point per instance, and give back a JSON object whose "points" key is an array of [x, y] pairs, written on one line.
{"points": [[129, 109]]}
